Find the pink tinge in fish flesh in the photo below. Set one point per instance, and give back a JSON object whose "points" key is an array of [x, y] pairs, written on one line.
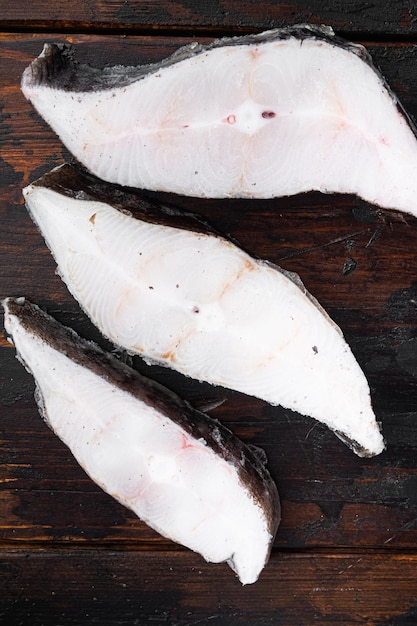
{"points": [[183, 473], [161, 284], [274, 114]]}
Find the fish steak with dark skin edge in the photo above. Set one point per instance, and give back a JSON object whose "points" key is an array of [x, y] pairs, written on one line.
{"points": [[182, 472], [160, 283], [273, 114]]}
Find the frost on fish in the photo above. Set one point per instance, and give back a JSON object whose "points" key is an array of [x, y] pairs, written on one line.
{"points": [[159, 283], [181, 472], [268, 115]]}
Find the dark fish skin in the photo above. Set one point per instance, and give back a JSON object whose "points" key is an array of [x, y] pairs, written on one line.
{"points": [[73, 181], [250, 466], [58, 67], [69, 181]]}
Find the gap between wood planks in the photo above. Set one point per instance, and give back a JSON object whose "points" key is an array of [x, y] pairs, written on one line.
{"points": [[66, 27], [164, 546]]}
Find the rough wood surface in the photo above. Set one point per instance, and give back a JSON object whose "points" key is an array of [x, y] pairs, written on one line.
{"points": [[346, 549], [369, 19], [124, 588]]}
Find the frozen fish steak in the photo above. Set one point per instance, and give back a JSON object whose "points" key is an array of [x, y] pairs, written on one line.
{"points": [[268, 115], [183, 473], [160, 284]]}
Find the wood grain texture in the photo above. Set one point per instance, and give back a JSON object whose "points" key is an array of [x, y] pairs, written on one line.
{"points": [[367, 19], [346, 549], [178, 589]]}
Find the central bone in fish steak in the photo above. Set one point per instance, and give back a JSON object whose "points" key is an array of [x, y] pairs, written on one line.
{"points": [[180, 471], [161, 284], [273, 114]]}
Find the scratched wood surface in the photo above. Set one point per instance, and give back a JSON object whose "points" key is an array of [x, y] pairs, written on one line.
{"points": [[354, 16], [345, 552]]}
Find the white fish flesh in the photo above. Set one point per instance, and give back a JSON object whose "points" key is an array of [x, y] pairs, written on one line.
{"points": [[180, 471], [159, 283], [268, 115]]}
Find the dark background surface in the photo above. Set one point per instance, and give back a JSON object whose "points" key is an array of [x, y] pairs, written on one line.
{"points": [[345, 553]]}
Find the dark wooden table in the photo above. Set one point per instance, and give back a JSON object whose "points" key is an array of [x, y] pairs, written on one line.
{"points": [[346, 551]]}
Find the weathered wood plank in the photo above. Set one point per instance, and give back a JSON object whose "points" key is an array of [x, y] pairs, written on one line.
{"points": [[330, 497], [104, 587], [80, 557], [381, 18]]}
